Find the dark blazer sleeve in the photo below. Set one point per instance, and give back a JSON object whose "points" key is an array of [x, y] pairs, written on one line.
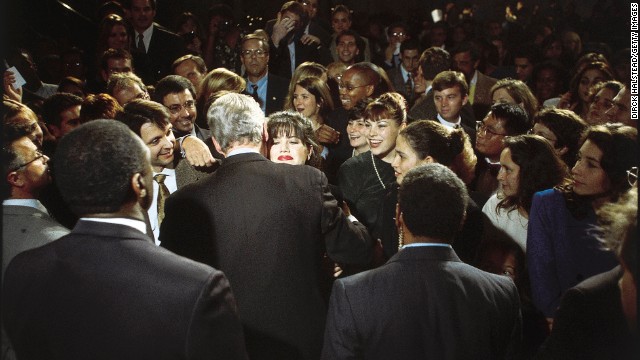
{"points": [[215, 330], [340, 335], [346, 242]]}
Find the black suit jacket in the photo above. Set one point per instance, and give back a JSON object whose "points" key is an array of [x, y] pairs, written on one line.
{"points": [[590, 323], [277, 89], [165, 47], [424, 303], [425, 109], [280, 60], [106, 292], [266, 225]]}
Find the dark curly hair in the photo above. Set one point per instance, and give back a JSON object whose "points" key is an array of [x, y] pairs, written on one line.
{"points": [[567, 127]]}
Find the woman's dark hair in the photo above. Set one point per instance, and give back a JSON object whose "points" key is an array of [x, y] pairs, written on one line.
{"points": [[567, 127], [575, 82], [292, 123], [389, 105], [619, 146], [430, 138], [318, 88], [540, 169]]}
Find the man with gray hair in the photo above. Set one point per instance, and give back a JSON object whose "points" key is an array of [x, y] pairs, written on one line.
{"points": [[267, 226]]}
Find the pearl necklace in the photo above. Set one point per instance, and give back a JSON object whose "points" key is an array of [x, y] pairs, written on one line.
{"points": [[377, 173]]}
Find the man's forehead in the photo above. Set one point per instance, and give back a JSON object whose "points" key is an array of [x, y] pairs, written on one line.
{"points": [[291, 15], [176, 97], [347, 39], [454, 90]]}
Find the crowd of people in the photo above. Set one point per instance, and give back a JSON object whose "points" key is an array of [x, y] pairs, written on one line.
{"points": [[316, 188]]}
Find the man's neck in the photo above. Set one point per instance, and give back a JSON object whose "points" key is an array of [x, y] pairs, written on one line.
{"points": [[255, 79], [244, 147]]}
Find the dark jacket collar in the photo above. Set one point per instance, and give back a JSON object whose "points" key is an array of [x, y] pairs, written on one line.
{"points": [[426, 253]]}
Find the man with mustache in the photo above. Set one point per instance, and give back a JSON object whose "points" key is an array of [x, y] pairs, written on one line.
{"points": [[268, 89]]}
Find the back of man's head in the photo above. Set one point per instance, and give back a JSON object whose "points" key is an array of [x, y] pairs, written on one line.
{"points": [[139, 112], [433, 61], [95, 164], [119, 81], [449, 79], [54, 105], [514, 119], [172, 84], [236, 119], [200, 64], [432, 201]]}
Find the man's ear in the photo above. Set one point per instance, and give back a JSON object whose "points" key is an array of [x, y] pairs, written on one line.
{"points": [[138, 186], [14, 179], [216, 145], [398, 218], [370, 89], [476, 64], [465, 99]]}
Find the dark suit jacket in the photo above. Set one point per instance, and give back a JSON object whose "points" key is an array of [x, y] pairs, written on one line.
{"points": [[165, 47], [106, 292], [398, 82], [424, 303], [277, 89], [590, 323], [266, 225], [280, 60]]}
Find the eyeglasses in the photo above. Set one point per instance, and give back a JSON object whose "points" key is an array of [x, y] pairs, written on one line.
{"points": [[483, 130], [349, 87], [397, 34], [257, 52], [532, 132], [177, 108], [39, 155], [632, 176]]}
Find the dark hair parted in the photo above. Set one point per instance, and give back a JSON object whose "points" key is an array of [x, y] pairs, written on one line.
{"points": [[448, 79], [139, 112], [200, 65], [94, 165], [389, 105], [320, 90], [567, 127], [540, 169], [433, 201], [619, 147], [56, 104], [514, 119], [172, 84]]}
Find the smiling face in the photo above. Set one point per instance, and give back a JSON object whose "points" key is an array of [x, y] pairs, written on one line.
{"points": [[358, 135], [449, 102], [509, 174], [160, 142], [588, 175], [406, 158], [353, 88], [347, 49], [305, 102], [289, 149], [182, 110], [382, 138]]}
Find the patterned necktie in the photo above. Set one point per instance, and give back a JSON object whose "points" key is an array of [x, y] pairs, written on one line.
{"points": [[408, 88], [163, 194], [141, 43]]}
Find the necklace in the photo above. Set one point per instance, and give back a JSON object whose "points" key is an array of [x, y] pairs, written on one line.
{"points": [[377, 173]]}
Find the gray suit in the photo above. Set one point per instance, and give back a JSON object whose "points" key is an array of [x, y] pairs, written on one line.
{"points": [[424, 303], [24, 228]]}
